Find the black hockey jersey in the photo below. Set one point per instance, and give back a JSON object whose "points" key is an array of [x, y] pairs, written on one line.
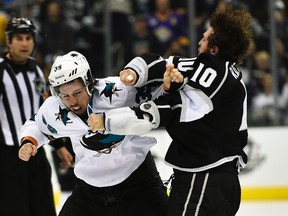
{"points": [[207, 118]]}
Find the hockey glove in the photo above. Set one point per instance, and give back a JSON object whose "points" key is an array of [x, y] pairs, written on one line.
{"points": [[100, 142]]}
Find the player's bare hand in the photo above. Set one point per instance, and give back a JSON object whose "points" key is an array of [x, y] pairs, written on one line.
{"points": [[96, 122], [26, 151], [171, 75], [128, 77], [65, 157]]}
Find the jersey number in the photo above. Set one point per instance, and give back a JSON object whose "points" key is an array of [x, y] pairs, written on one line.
{"points": [[206, 77]]}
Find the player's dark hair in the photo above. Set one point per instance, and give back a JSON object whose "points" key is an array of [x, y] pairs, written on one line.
{"points": [[232, 34]]}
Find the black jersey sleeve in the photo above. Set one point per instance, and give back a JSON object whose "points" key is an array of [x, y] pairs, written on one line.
{"points": [[151, 67], [169, 107]]}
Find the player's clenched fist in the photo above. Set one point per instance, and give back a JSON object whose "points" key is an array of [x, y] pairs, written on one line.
{"points": [[128, 77], [171, 75], [96, 122], [26, 151]]}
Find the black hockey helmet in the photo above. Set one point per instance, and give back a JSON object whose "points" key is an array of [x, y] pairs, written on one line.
{"points": [[20, 25]]}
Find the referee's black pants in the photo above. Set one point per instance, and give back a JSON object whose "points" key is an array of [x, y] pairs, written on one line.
{"points": [[25, 187], [141, 194], [215, 192]]}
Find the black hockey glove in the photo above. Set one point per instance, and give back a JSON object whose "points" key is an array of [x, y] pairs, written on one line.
{"points": [[102, 143]]}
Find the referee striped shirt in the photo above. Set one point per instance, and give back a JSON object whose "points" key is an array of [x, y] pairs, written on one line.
{"points": [[22, 91]]}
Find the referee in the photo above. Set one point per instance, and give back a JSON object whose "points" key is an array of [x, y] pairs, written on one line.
{"points": [[25, 188]]}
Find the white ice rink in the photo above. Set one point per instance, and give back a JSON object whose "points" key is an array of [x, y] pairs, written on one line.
{"points": [[263, 208]]}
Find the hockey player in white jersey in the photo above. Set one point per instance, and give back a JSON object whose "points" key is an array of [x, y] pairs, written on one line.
{"points": [[117, 173]]}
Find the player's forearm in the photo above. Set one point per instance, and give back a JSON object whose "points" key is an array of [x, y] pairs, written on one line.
{"points": [[126, 121], [149, 68]]}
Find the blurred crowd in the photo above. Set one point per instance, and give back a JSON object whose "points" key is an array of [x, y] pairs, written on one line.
{"points": [[159, 26]]}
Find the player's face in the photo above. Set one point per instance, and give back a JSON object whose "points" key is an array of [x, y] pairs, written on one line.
{"points": [[20, 47], [203, 43], [75, 96]]}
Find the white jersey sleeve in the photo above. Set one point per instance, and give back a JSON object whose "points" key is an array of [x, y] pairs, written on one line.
{"points": [[30, 129]]}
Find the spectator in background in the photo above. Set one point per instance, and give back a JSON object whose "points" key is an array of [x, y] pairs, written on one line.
{"points": [[282, 62], [260, 84], [203, 10], [263, 104], [261, 64], [260, 67], [94, 30], [167, 27], [141, 36], [55, 34], [281, 20], [121, 12], [141, 6], [283, 103]]}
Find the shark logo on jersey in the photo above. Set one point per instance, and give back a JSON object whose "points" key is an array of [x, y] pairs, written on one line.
{"points": [[109, 90], [63, 116]]}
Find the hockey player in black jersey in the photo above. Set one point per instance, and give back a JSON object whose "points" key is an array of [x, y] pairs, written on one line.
{"points": [[205, 115]]}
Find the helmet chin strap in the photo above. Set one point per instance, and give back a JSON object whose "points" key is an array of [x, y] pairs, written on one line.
{"points": [[88, 91], [89, 87], [53, 93]]}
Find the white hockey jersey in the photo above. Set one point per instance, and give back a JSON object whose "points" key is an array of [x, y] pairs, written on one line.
{"points": [[54, 120]]}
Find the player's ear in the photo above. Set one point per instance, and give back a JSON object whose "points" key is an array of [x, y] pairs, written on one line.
{"points": [[7, 41], [214, 50]]}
